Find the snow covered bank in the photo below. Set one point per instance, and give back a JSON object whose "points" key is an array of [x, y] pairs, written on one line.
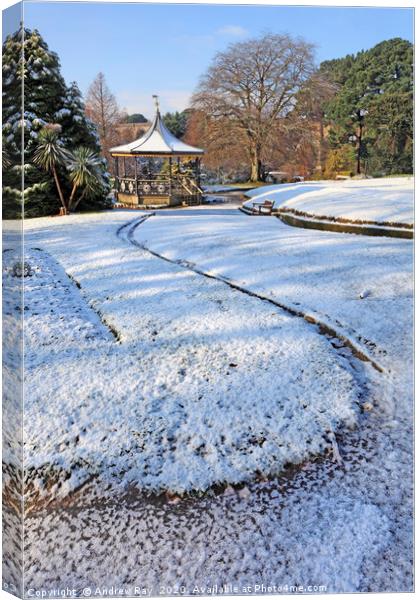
{"points": [[339, 225], [368, 200]]}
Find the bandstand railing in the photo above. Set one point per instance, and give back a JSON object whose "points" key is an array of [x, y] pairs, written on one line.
{"points": [[159, 186]]}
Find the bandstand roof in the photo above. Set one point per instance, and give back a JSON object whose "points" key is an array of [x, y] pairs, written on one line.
{"points": [[157, 141]]}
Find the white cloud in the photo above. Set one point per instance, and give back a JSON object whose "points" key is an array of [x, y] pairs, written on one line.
{"points": [[211, 39], [232, 30], [205, 39], [142, 102]]}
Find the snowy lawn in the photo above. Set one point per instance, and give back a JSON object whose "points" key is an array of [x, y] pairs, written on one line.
{"points": [[376, 200], [158, 377], [186, 382], [319, 273]]}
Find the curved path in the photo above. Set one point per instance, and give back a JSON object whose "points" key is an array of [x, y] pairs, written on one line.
{"points": [[128, 230], [337, 281]]}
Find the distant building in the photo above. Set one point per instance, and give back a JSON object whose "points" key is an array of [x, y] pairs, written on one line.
{"points": [[282, 177], [128, 132]]}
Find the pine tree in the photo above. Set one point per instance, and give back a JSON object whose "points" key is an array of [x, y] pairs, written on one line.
{"points": [[135, 118], [176, 122], [374, 105], [78, 130], [29, 65]]}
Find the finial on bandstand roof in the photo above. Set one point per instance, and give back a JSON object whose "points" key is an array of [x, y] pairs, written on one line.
{"points": [[156, 99]]}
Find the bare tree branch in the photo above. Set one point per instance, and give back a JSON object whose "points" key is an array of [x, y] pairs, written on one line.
{"points": [[103, 110], [253, 85]]}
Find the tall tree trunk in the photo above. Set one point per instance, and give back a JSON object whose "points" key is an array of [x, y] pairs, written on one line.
{"points": [[256, 163], [321, 153], [60, 193], [254, 170], [76, 204], [103, 120], [73, 191]]}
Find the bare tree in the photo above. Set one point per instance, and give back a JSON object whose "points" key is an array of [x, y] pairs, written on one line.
{"points": [[225, 146], [254, 84], [103, 110]]}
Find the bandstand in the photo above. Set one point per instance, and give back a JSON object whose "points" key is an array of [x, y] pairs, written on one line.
{"points": [[158, 169]]}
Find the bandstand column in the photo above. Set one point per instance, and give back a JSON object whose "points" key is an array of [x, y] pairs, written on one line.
{"points": [[117, 181], [135, 175], [197, 171], [170, 176]]}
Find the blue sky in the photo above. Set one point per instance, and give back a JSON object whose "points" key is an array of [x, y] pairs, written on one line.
{"points": [[145, 49]]}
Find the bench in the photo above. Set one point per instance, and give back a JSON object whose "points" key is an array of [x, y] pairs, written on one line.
{"points": [[265, 207]]}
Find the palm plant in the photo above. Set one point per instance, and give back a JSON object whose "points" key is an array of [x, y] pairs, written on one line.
{"points": [[49, 154], [83, 165], [6, 161]]}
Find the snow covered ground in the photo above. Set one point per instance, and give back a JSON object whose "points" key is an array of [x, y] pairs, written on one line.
{"points": [[148, 374], [204, 386], [377, 200]]}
